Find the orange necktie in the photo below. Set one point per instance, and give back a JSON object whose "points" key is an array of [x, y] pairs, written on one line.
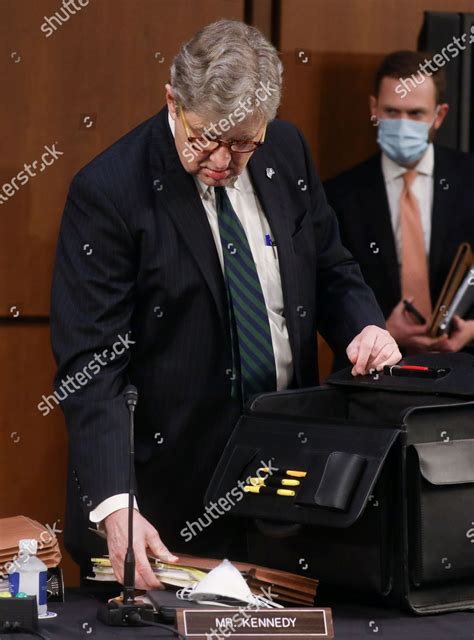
{"points": [[414, 276]]}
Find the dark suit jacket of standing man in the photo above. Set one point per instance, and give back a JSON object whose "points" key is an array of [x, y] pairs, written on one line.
{"points": [[154, 270], [359, 198]]}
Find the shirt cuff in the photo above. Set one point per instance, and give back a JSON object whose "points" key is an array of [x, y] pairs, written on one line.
{"points": [[108, 506]]}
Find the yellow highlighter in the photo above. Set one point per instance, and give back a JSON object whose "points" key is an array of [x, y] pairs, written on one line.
{"points": [[288, 472], [269, 491]]}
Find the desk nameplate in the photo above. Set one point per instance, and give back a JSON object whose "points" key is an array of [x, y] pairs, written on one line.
{"points": [[261, 624]]}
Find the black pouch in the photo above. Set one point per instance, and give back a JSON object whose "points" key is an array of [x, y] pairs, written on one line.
{"points": [[440, 500], [386, 506]]}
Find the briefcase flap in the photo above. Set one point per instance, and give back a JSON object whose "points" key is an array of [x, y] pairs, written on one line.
{"points": [[311, 402], [342, 461], [444, 463], [458, 381]]}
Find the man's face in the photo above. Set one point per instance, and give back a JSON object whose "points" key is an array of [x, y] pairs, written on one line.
{"points": [[419, 104], [215, 168]]}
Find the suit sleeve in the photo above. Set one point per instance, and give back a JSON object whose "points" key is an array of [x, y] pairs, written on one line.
{"points": [[345, 303], [91, 308]]}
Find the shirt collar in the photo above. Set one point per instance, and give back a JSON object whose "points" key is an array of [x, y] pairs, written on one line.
{"points": [[391, 170], [241, 183]]}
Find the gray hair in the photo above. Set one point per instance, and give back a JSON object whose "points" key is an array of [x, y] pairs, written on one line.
{"points": [[223, 65]]}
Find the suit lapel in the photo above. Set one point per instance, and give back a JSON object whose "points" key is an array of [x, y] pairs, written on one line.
{"points": [[177, 196], [274, 201]]}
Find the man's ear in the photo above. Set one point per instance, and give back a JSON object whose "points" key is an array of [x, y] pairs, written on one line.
{"points": [[373, 106], [170, 101], [443, 110]]}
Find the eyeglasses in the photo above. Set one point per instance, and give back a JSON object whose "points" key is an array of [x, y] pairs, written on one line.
{"points": [[206, 143]]}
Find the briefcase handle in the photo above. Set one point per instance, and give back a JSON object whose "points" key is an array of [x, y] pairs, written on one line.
{"points": [[273, 529]]}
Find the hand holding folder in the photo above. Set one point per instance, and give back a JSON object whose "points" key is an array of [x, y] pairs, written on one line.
{"points": [[285, 586], [457, 294]]}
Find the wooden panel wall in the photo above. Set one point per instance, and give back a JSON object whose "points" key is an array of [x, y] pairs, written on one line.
{"points": [[344, 41], [330, 50], [94, 78]]}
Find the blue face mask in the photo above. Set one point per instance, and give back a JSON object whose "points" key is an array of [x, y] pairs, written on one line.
{"points": [[404, 141]]}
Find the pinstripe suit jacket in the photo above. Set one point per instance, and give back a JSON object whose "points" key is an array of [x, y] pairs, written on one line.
{"points": [[136, 254]]}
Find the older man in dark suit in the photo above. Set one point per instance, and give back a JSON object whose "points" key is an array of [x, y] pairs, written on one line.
{"points": [[205, 238]]}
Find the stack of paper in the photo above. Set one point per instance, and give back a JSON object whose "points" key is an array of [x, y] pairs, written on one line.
{"points": [[281, 586], [171, 574], [17, 528]]}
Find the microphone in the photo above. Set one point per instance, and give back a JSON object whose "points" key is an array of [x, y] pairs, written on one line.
{"points": [[128, 613], [131, 397]]}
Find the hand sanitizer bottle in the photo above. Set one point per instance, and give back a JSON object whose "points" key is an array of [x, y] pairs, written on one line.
{"points": [[31, 575]]}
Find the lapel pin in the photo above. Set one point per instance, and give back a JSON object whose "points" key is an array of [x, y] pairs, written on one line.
{"points": [[270, 172]]}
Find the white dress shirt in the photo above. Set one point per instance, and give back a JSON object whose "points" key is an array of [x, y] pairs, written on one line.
{"points": [[250, 213], [422, 188]]}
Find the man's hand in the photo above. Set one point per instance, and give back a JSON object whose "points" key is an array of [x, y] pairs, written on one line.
{"points": [[145, 536], [461, 334], [372, 349], [409, 335]]}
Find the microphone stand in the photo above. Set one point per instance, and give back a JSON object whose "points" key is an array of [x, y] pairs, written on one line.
{"points": [[128, 612]]}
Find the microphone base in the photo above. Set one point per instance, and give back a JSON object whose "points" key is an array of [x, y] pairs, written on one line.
{"points": [[117, 614]]}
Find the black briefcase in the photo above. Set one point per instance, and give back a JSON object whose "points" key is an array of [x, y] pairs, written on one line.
{"points": [[386, 509]]}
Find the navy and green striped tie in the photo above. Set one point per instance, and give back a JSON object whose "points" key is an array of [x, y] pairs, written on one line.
{"points": [[247, 304]]}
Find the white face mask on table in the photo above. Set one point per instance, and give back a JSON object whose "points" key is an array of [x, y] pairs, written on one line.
{"points": [[224, 586]]}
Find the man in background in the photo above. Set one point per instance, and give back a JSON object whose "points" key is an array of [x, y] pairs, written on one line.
{"points": [[404, 212]]}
